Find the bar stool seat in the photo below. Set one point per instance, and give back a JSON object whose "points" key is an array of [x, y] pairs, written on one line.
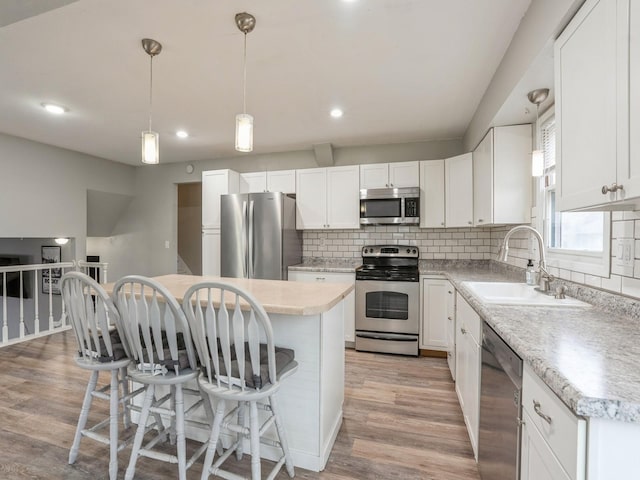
{"points": [[237, 367]]}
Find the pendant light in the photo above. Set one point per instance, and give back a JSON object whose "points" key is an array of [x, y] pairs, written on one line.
{"points": [[151, 139], [244, 122], [537, 156]]}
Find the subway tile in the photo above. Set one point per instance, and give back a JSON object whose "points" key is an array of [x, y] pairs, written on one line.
{"points": [[631, 287], [577, 277], [613, 283], [615, 216], [623, 229], [593, 281]]}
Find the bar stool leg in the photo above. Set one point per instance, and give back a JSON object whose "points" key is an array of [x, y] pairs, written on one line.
{"points": [[275, 408], [126, 405], [181, 446], [213, 438], [113, 425], [142, 426], [241, 410], [254, 432], [84, 415]]}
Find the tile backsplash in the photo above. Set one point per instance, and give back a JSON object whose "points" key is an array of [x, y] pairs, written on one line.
{"points": [[480, 244]]}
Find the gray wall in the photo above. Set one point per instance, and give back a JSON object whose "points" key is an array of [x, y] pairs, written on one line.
{"points": [[542, 23], [44, 189]]}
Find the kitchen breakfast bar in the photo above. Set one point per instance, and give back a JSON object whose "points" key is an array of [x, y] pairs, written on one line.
{"points": [[308, 318]]}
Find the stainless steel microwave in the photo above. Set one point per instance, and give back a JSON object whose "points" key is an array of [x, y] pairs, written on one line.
{"points": [[390, 206]]}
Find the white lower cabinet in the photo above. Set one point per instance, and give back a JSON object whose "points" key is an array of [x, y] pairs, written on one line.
{"points": [[433, 331], [334, 277], [468, 351], [211, 252], [553, 438]]}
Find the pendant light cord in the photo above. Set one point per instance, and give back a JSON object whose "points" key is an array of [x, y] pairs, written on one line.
{"points": [[244, 81], [150, 89]]}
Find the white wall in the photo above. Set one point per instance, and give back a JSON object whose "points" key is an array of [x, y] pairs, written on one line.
{"points": [[43, 189]]}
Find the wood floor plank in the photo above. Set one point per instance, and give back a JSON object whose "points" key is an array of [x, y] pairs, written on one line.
{"points": [[401, 420]]}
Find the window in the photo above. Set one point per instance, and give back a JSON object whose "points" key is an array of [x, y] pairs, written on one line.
{"points": [[577, 241]]}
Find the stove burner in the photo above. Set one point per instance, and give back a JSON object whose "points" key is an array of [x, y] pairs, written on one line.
{"points": [[389, 263]]}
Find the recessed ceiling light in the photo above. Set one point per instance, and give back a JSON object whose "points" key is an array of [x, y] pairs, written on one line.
{"points": [[337, 113], [53, 108], [182, 134]]}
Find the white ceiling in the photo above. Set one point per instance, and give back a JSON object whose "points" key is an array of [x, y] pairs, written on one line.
{"points": [[402, 70]]}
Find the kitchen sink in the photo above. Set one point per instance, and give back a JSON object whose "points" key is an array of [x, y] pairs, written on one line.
{"points": [[505, 293]]}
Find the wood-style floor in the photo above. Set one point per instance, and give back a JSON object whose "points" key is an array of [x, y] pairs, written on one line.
{"points": [[401, 421]]}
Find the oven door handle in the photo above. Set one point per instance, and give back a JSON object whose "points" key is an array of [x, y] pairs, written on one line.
{"points": [[387, 336]]}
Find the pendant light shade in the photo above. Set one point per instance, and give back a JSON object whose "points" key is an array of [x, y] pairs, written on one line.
{"points": [[537, 156], [244, 122], [244, 132], [151, 139], [150, 147]]}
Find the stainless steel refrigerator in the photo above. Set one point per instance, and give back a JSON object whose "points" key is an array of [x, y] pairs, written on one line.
{"points": [[258, 235]]}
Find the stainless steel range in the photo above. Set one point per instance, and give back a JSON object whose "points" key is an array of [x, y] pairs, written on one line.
{"points": [[387, 300]]}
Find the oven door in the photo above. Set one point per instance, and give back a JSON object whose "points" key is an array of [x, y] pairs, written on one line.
{"points": [[391, 307]]}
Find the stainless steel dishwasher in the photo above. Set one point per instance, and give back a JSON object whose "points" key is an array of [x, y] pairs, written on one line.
{"points": [[500, 409]]}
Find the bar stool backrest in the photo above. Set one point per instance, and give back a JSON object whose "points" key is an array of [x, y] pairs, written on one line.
{"points": [[93, 316], [156, 328], [228, 340]]}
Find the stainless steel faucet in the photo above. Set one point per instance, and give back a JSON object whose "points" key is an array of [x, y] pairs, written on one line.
{"points": [[544, 277]]}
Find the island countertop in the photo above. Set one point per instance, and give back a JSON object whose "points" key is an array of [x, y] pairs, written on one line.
{"points": [[276, 296]]}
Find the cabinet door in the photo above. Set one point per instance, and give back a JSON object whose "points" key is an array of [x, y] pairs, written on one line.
{"points": [[211, 252], [404, 174], [349, 301], [214, 184], [375, 175], [629, 100], [537, 461], [458, 172], [434, 313], [585, 62], [281, 181], [343, 197], [432, 194], [483, 181], [311, 198], [255, 182]]}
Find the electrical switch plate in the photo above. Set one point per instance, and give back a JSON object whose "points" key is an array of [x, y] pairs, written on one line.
{"points": [[166, 244], [625, 253]]}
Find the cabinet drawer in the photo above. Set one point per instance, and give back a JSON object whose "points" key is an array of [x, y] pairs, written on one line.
{"points": [[328, 277], [561, 429], [468, 319]]}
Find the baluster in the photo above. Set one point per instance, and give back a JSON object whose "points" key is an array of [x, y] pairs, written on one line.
{"points": [[36, 320], [5, 324], [50, 300], [21, 307]]}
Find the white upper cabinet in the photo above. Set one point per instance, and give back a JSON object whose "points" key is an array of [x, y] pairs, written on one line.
{"points": [[432, 194], [458, 174], [502, 176], [214, 184], [597, 102], [277, 181], [253, 182], [327, 198], [396, 175]]}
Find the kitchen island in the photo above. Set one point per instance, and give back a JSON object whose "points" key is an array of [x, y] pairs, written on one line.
{"points": [[307, 318]]}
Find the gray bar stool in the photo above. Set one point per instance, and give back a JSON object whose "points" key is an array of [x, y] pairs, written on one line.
{"points": [[97, 328], [227, 324], [163, 355]]}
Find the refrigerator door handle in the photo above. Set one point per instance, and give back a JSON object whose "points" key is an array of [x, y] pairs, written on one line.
{"points": [[244, 239], [251, 239]]}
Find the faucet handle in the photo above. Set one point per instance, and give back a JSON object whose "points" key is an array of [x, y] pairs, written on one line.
{"points": [[560, 292]]}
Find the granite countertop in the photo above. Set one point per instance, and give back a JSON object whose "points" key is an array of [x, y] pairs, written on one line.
{"points": [[587, 356], [338, 265], [276, 296]]}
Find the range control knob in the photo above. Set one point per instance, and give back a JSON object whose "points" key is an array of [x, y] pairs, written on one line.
{"points": [[414, 250], [408, 250], [366, 251]]}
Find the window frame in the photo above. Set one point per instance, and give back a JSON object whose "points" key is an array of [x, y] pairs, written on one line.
{"points": [[579, 261]]}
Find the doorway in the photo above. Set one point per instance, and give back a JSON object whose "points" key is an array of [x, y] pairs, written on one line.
{"points": [[190, 228]]}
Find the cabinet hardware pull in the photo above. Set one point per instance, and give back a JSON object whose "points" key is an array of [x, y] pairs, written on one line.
{"points": [[449, 292], [613, 188], [449, 318], [480, 220], [538, 410], [470, 222], [442, 223], [320, 278], [463, 331]]}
